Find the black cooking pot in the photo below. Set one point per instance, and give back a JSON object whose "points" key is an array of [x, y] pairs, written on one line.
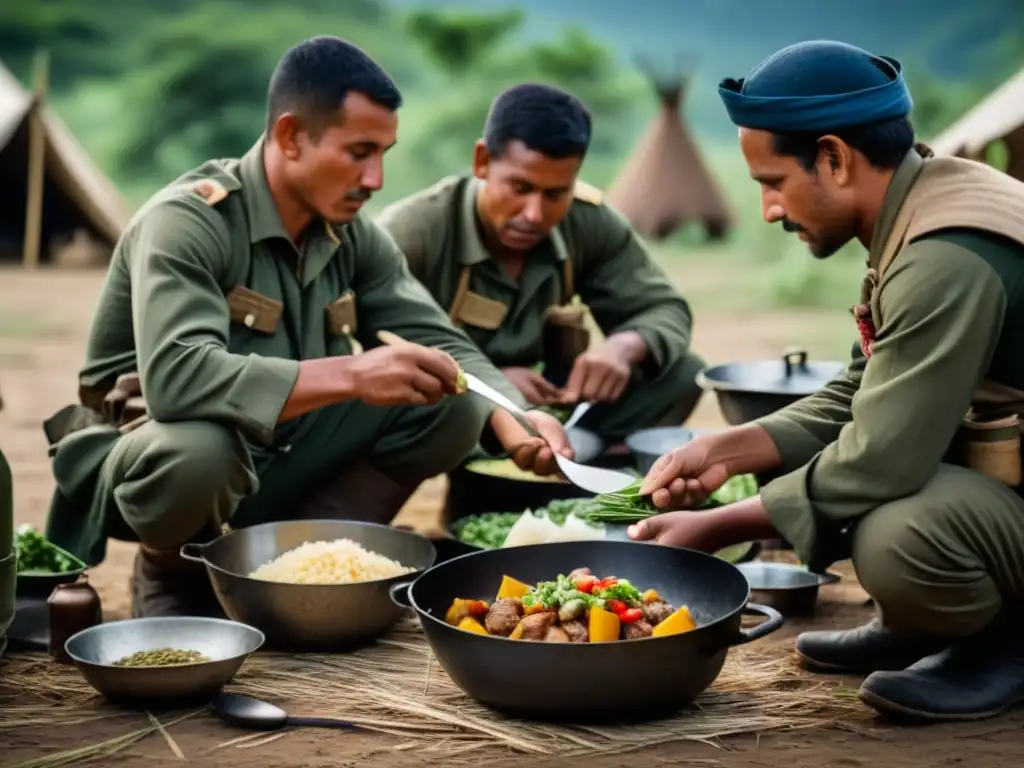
{"points": [[748, 391], [615, 681], [648, 445], [472, 492]]}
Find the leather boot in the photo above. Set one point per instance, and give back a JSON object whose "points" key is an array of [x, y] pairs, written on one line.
{"points": [[978, 677], [360, 492], [165, 584], [865, 649]]}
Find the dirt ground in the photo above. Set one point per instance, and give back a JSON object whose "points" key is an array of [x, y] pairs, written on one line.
{"points": [[44, 320]]}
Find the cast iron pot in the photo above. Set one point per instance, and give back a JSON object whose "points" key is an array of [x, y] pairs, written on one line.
{"points": [[473, 493], [748, 391], [579, 682]]}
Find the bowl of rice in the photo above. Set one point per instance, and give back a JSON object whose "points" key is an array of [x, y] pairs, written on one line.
{"points": [[313, 585]]}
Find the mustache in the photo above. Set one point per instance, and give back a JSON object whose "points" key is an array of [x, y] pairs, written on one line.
{"points": [[359, 195], [790, 226]]}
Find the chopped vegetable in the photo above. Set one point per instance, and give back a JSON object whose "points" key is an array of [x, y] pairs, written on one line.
{"points": [[517, 633], [512, 588], [650, 596], [461, 609], [472, 625], [587, 584], [604, 626], [620, 590], [616, 606], [628, 506], [489, 530], [161, 657], [554, 594], [677, 622], [631, 615], [38, 555]]}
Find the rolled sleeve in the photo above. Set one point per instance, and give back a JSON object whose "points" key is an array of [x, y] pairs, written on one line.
{"points": [[181, 318], [942, 311]]}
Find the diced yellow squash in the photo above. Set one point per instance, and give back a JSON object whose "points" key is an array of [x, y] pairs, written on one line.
{"points": [[461, 608], [472, 625], [512, 588], [604, 626], [529, 610], [650, 596], [675, 624], [517, 633]]}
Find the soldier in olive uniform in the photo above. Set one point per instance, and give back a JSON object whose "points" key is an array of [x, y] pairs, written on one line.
{"points": [[236, 294], [507, 248], [909, 462]]}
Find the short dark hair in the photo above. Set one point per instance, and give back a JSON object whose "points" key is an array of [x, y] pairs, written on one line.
{"points": [[884, 143], [546, 119], [313, 78]]}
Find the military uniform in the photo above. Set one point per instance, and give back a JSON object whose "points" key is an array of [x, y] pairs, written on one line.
{"points": [[593, 253], [8, 558], [211, 302], [882, 465]]}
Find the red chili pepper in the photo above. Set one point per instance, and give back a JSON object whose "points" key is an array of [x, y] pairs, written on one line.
{"points": [[617, 606], [631, 615], [478, 608], [587, 584], [611, 581]]}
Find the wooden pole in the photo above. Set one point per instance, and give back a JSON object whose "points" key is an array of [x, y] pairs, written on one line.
{"points": [[36, 164]]}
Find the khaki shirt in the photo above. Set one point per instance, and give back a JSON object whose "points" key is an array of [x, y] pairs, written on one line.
{"points": [[612, 271], [952, 316], [212, 303]]}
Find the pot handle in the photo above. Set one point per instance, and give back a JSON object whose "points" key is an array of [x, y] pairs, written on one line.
{"points": [[773, 621], [399, 594], [794, 358], [193, 552]]}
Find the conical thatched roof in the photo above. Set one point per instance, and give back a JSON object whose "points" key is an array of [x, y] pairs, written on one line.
{"points": [[1000, 116], [664, 182], [77, 196]]}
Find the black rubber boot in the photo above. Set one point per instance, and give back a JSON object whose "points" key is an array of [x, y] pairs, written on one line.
{"points": [[865, 649], [976, 678], [166, 585]]}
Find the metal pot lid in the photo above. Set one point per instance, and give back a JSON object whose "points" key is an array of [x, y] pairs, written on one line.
{"points": [[792, 374]]}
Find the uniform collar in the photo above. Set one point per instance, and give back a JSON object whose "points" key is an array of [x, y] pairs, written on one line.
{"points": [[907, 173], [474, 250], [264, 220]]}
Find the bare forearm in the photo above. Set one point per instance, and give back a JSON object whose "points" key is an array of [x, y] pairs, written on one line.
{"points": [[746, 449], [745, 520], [629, 346], [320, 383]]}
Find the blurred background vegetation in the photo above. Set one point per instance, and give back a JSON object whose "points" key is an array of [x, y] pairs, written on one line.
{"points": [[153, 88]]}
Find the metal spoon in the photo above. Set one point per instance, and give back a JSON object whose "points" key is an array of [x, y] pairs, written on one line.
{"points": [[259, 715], [593, 479]]}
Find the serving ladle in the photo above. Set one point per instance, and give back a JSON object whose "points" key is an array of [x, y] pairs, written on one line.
{"points": [[258, 715]]}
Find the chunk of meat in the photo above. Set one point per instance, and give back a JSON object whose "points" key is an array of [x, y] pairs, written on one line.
{"points": [[535, 627], [577, 631], [556, 635], [656, 612], [503, 616], [579, 573], [636, 630]]}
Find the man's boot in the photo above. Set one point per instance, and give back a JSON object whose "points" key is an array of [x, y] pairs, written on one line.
{"points": [[165, 584], [360, 492], [865, 649], [978, 677]]}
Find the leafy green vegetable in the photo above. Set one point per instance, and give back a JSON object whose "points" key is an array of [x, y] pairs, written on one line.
{"points": [[628, 506], [622, 590], [489, 530], [554, 594], [37, 555]]}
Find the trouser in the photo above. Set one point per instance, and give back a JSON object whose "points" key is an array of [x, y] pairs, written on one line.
{"points": [[163, 483], [947, 559], [664, 399]]}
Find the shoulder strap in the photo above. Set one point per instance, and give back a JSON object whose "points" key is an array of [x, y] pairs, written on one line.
{"points": [[568, 277]]}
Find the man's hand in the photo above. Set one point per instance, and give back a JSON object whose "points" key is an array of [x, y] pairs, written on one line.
{"points": [[531, 453], [535, 388], [599, 375], [707, 531], [407, 374], [684, 477]]}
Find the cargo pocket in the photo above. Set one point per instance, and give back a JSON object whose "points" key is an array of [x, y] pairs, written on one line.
{"points": [[991, 446]]}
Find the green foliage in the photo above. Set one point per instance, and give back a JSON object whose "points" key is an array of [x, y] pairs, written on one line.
{"points": [[457, 39]]}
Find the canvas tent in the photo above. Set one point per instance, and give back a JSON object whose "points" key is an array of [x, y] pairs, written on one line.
{"points": [[78, 200], [664, 183], [1000, 116]]}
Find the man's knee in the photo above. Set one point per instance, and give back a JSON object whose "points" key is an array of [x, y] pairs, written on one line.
{"points": [[915, 558], [428, 441], [170, 481]]}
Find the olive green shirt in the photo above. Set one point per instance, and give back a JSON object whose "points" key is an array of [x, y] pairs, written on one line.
{"points": [[212, 303], [952, 307], [613, 273]]}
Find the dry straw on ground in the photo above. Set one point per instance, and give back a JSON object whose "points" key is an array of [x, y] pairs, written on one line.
{"points": [[397, 688]]}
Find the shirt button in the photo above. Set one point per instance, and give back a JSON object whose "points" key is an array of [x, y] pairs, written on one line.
{"points": [[250, 320]]}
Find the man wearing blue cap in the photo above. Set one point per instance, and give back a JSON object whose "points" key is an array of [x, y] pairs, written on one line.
{"points": [[909, 462]]}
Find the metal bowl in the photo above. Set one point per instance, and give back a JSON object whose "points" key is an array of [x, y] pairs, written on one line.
{"points": [[226, 643], [790, 589], [748, 391], [306, 617]]}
